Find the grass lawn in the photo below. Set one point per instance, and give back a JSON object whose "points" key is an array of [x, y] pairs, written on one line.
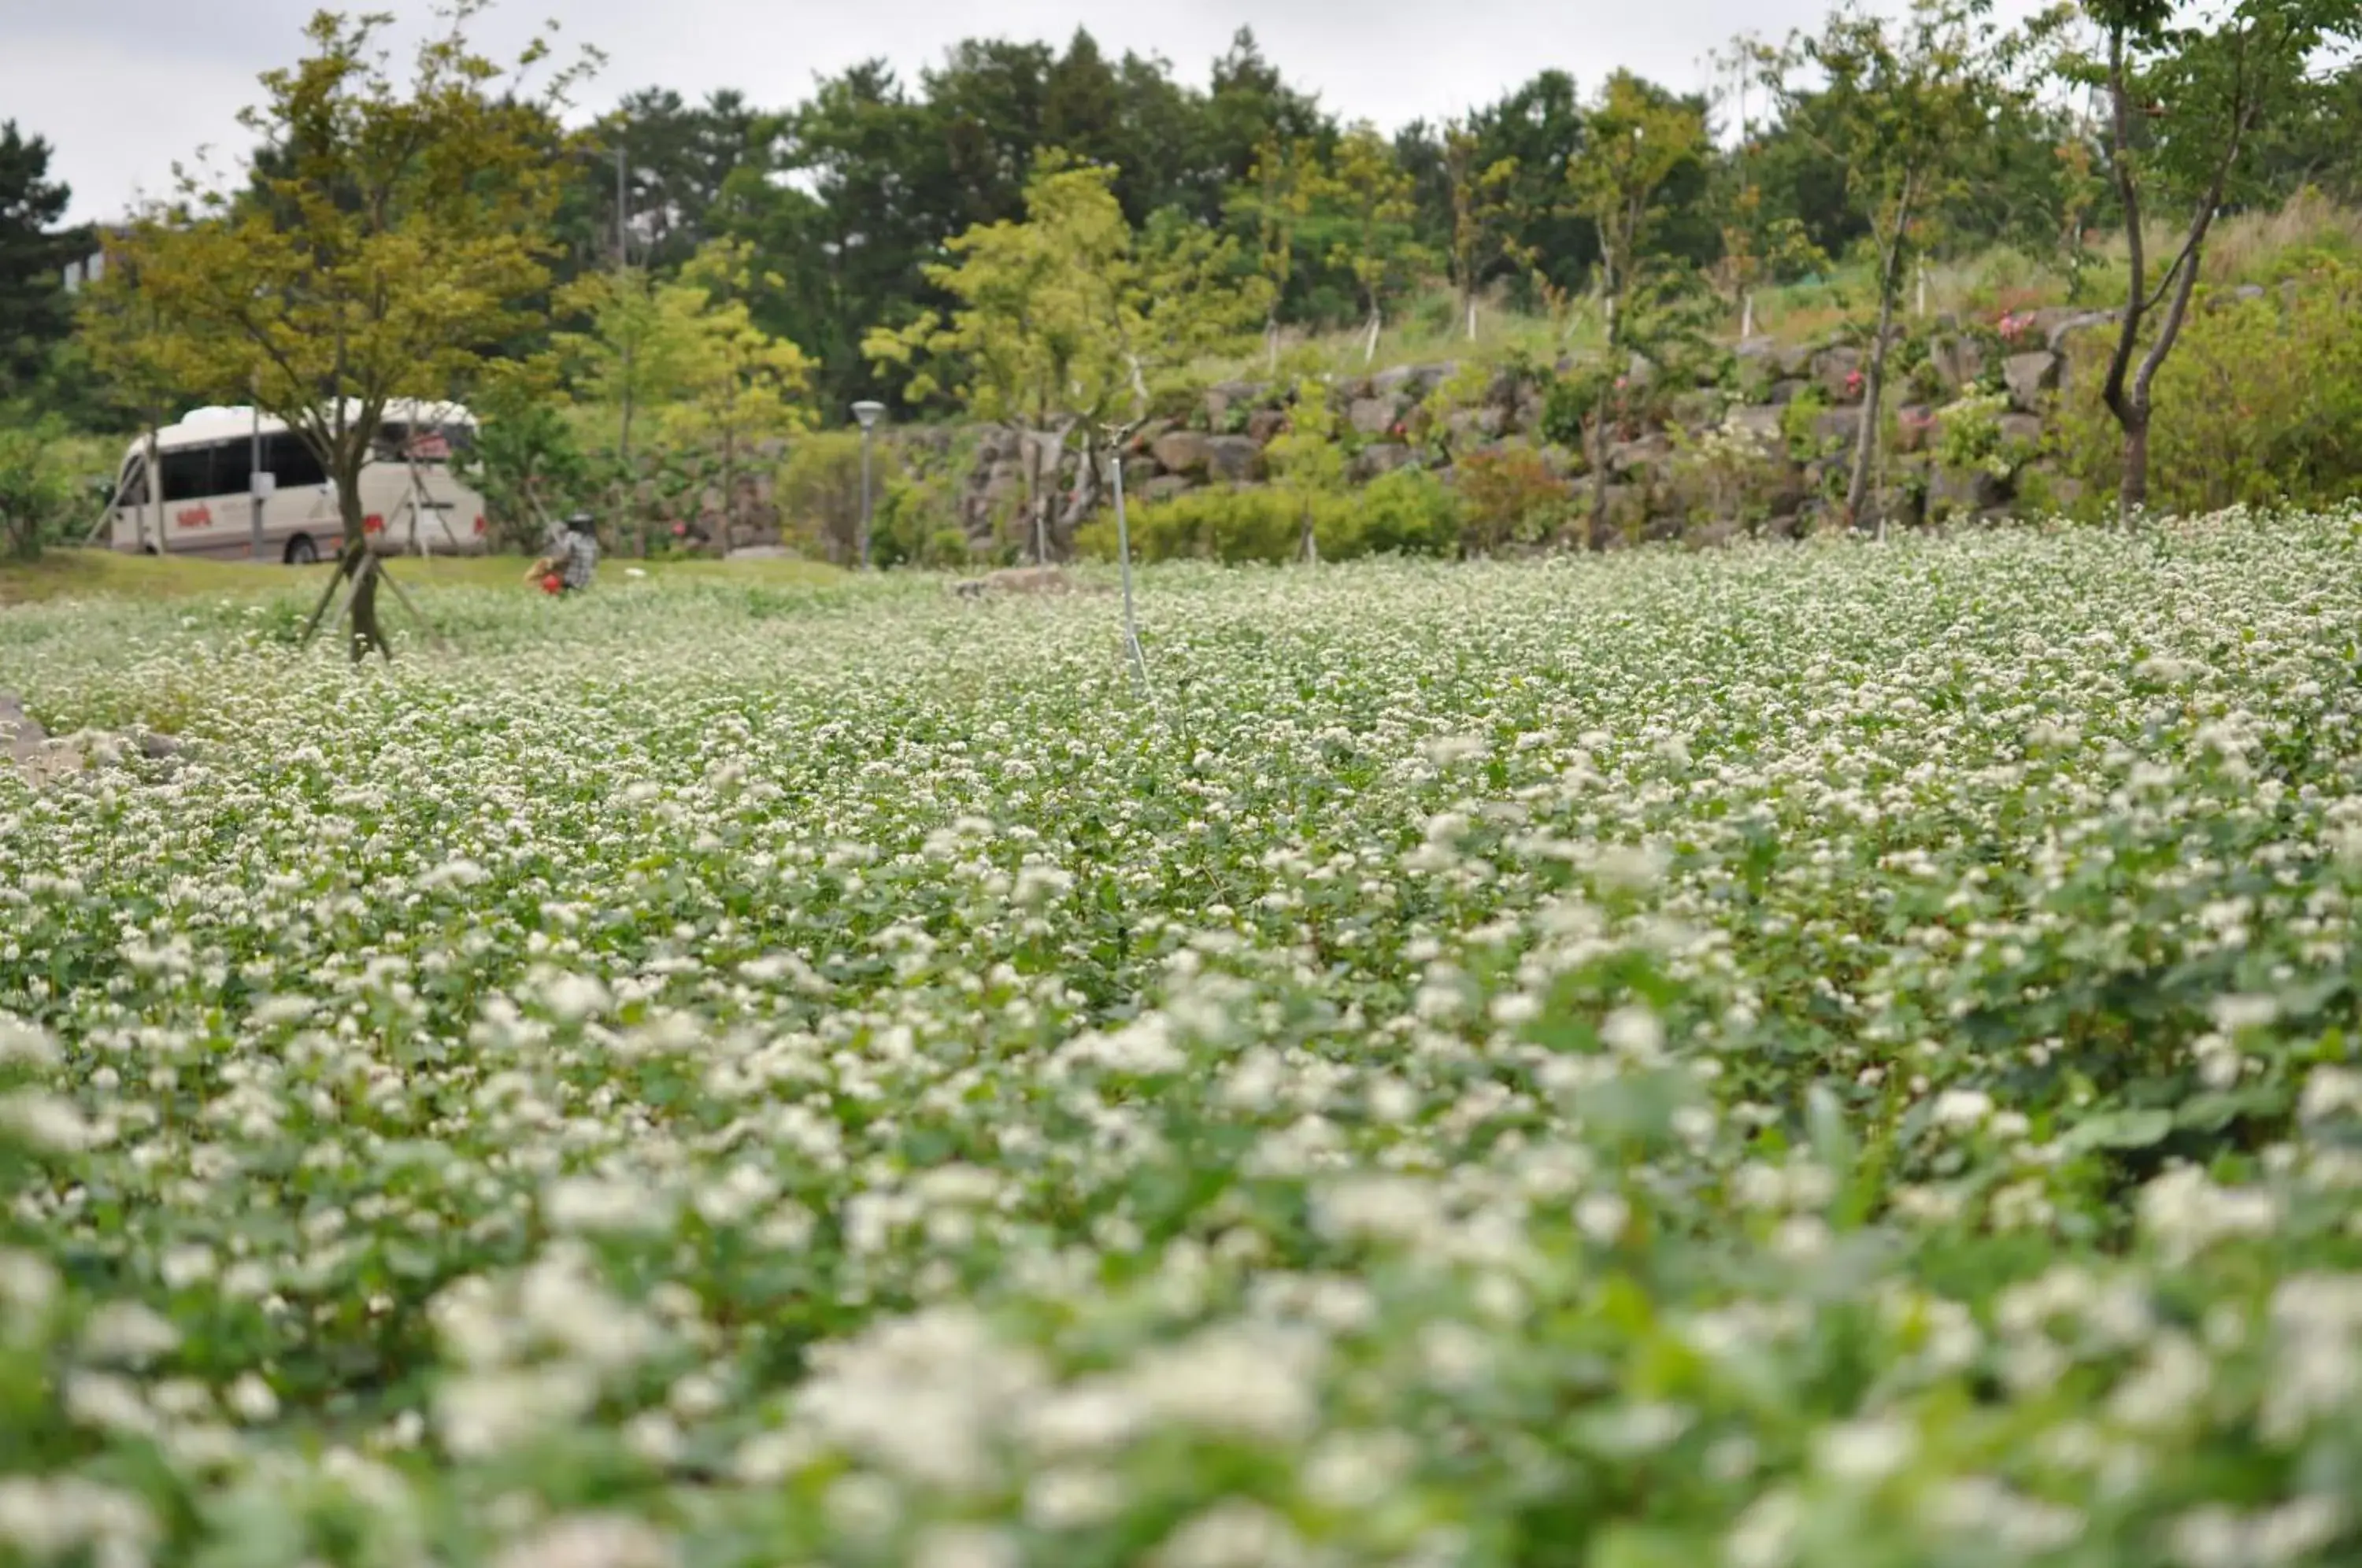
{"points": [[107, 574]]}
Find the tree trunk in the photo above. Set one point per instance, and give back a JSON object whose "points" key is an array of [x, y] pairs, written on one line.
{"points": [[357, 562], [1873, 385], [2127, 391], [1598, 525], [2132, 486], [1085, 496]]}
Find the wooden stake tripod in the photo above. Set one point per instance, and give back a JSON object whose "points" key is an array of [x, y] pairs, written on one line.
{"points": [[362, 567]]}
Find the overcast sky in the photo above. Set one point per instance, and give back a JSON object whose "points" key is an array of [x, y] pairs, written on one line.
{"points": [[124, 88]]}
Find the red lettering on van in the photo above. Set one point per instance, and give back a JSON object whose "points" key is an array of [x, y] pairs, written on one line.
{"points": [[194, 517]]}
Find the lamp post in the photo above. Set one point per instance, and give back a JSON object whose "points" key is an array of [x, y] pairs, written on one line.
{"points": [[866, 413]]}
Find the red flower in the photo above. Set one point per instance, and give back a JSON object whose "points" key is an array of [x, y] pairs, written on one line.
{"points": [[551, 583]]}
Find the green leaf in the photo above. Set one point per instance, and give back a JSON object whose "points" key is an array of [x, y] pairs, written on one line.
{"points": [[2119, 1130]]}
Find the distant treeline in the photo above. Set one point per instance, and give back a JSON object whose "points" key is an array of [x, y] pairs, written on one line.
{"points": [[846, 198]]}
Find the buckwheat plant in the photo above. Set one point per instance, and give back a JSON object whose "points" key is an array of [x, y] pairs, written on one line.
{"points": [[1829, 1057]]}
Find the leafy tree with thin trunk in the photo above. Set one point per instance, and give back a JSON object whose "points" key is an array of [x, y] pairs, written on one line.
{"points": [[1759, 243], [1306, 459], [1483, 213], [1901, 104], [2186, 102], [1367, 193], [392, 233], [1277, 198], [1062, 317], [1635, 140]]}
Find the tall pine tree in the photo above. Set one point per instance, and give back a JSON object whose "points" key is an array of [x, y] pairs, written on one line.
{"points": [[35, 316]]}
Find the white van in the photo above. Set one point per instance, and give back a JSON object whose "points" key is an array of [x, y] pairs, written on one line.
{"points": [[217, 500]]}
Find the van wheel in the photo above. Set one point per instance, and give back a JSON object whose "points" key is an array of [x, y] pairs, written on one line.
{"points": [[301, 551]]}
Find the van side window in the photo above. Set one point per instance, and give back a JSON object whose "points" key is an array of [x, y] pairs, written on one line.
{"points": [[188, 473], [233, 468], [292, 460], [135, 483]]}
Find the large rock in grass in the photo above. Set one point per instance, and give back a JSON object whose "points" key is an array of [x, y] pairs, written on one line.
{"points": [[1230, 458], [2030, 377], [1958, 361], [1380, 458], [2021, 431], [1841, 426], [1373, 416], [1954, 493], [1224, 396], [1182, 451], [1838, 368]]}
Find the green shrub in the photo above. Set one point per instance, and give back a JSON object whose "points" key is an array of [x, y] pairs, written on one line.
{"points": [[1568, 405], [529, 465], [914, 520], [1509, 495], [39, 496], [1800, 420], [1408, 513], [820, 496], [1967, 434], [2260, 403]]}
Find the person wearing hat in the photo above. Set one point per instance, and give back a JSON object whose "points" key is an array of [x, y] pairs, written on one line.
{"points": [[573, 553]]}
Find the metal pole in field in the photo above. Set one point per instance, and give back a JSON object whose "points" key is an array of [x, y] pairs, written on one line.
{"points": [[866, 412], [1123, 557], [254, 484]]}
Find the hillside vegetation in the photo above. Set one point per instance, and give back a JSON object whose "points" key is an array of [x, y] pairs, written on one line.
{"points": [[1037, 245]]}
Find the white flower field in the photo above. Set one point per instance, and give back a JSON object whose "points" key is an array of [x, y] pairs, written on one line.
{"points": [[1838, 1056]]}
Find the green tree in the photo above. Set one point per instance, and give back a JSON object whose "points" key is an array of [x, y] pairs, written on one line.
{"points": [[1635, 141], [2204, 92], [525, 463], [744, 386], [691, 351], [1538, 128], [1900, 103], [37, 495], [1062, 316], [34, 309], [1277, 198], [404, 230], [1484, 229], [1307, 457], [1760, 241], [1367, 194], [638, 346]]}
